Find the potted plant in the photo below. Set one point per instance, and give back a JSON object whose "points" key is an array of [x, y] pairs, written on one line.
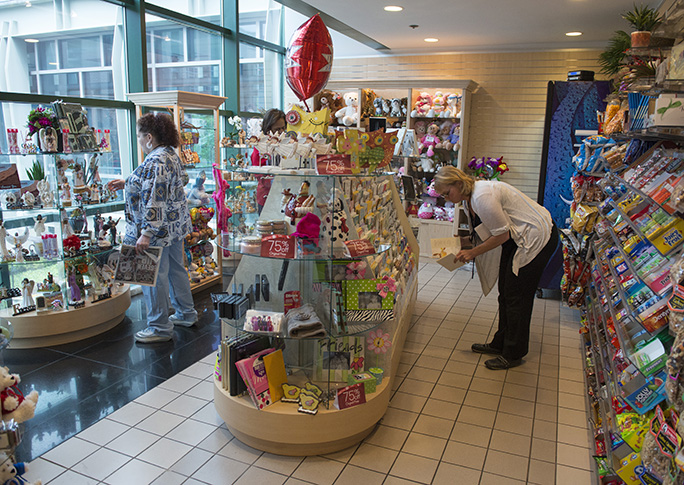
{"points": [[644, 20]]}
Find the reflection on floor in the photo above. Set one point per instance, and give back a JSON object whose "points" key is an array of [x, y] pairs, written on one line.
{"points": [[82, 382]]}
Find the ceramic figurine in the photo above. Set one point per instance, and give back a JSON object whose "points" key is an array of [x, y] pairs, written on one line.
{"points": [[26, 290], [39, 226], [28, 199], [48, 139], [17, 241], [45, 195], [3, 244]]}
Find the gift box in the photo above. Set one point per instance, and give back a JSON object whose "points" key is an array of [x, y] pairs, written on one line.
{"points": [[368, 380]]}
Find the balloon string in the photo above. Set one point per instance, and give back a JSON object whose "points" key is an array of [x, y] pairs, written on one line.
{"points": [[306, 106]]}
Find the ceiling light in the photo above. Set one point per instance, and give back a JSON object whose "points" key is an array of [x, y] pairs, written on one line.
{"points": [[573, 34], [393, 8], [52, 63], [431, 39], [31, 41], [167, 39], [28, 3]]}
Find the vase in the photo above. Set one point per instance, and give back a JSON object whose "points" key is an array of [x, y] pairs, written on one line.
{"points": [[641, 38]]}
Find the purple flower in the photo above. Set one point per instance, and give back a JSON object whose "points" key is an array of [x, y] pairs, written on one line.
{"points": [[44, 122]]}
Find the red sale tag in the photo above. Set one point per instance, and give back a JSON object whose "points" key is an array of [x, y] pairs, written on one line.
{"points": [[293, 299], [339, 164], [350, 396], [278, 246], [359, 247]]}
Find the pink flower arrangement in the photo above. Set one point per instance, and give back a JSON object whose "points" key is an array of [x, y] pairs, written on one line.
{"points": [[378, 341], [40, 118]]}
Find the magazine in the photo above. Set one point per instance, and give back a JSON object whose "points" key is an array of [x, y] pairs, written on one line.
{"points": [[139, 269]]}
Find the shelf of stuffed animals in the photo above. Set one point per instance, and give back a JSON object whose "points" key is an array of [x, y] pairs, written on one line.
{"points": [[338, 304]]}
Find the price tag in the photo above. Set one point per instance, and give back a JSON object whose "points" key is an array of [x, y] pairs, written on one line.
{"points": [[359, 247], [339, 164], [278, 246], [350, 396]]}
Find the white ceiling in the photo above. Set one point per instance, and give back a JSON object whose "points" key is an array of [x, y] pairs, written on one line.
{"points": [[483, 25]]}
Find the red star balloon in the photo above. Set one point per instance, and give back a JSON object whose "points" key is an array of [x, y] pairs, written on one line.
{"points": [[309, 58]]}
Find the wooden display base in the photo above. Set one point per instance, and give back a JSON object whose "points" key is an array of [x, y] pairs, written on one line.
{"points": [[33, 330], [206, 283], [282, 430]]}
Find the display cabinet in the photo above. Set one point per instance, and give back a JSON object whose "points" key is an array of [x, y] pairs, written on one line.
{"points": [[197, 118], [336, 299], [59, 240]]}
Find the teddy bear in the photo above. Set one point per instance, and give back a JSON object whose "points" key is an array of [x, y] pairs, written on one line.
{"points": [[444, 132], [429, 140], [453, 110], [349, 115], [397, 110], [452, 142], [11, 473], [15, 405], [422, 105]]}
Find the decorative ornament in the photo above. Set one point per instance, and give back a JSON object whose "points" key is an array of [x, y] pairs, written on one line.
{"points": [[309, 57], [308, 123], [292, 117], [378, 341]]}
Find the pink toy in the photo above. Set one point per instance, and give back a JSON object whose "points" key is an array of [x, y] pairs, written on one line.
{"points": [[422, 105], [429, 140], [437, 107], [431, 190], [426, 211]]}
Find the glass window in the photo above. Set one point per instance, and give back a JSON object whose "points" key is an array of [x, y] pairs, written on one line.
{"points": [[47, 55], [203, 46], [260, 79], [261, 19], [197, 79], [190, 60], [97, 83], [80, 52], [87, 38], [204, 9], [66, 84]]}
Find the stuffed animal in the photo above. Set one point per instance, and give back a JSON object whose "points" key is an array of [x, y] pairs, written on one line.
{"points": [[11, 473], [421, 129], [426, 211], [349, 115], [444, 132], [429, 140], [15, 405], [397, 110], [422, 105], [437, 107], [453, 110], [453, 140], [334, 229]]}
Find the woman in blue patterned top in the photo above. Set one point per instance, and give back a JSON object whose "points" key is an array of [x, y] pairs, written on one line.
{"points": [[157, 215]]}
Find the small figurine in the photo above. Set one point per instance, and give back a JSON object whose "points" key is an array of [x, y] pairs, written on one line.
{"points": [[28, 199], [198, 196], [94, 194], [26, 290], [45, 194], [48, 139], [79, 176], [67, 230], [17, 241], [73, 286], [111, 227], [93, 170], [65, 194], [39, 226], [3, 244]]}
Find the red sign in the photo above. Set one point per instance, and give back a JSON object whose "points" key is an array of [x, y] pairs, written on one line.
{"points": [[339, 164], [278, 246], [350, 396], [359, 247], [293, 299]]}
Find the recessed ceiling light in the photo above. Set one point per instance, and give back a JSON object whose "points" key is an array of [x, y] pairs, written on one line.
{"points": [[31, 41], [52, 63], [393, 8], [431, 39], [573, 34]]}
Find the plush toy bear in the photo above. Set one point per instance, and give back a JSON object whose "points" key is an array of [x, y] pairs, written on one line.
{"points": [[14, 404], [349, 115], [422, 105], [334, 229], [444, 132], [11, 473]]}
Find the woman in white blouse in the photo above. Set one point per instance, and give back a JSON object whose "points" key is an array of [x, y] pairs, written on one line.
{"points": [[528, 238]]}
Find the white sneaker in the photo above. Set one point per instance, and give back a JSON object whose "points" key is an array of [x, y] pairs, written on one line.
{"points": [[149, 335], [180, 322]]}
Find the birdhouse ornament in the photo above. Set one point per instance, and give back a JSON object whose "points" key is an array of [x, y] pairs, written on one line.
{"points": [[334, 229]]}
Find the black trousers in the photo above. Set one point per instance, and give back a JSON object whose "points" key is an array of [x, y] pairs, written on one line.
{"points": [[516, 298]]}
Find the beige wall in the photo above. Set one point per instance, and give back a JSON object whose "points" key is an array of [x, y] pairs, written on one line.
{"points": [[507, 114]]}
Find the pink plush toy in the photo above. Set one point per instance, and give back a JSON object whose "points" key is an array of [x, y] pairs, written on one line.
{"points": [[429, 140], [438, 106], [422, 105], [431, 190], [426, 211]]}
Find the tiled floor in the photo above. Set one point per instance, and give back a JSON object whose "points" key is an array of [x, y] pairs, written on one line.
{"points": [[451, 420]]}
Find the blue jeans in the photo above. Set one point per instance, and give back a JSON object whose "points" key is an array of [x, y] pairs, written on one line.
{"points": [[172, 280]]}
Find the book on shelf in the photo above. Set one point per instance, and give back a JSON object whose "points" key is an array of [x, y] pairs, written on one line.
{"points": [[253, 373]]}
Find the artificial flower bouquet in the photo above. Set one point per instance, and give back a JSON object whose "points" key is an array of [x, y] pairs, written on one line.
{"points": [[488, 168]]}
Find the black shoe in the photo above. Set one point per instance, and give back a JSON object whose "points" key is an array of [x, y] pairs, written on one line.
{"points": [[501, 363], [485, 349]]}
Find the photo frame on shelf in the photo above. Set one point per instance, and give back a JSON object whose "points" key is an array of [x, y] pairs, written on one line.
{"points": [[338, 358], [364, 300]]}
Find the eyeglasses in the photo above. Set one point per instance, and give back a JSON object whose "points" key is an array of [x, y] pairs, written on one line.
{"points": [[445, 194]]}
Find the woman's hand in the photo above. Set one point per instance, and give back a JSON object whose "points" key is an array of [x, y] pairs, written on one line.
{"points": [[116, 184], [142, 244], [465, 255]]}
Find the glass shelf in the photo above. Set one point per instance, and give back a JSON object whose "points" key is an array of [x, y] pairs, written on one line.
{"points": [[310, 172], [352, 328], [338, 254], [52, 154]]}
